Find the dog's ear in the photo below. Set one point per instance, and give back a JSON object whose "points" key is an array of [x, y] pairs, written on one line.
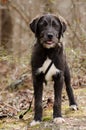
{"points": [[33, 24], [63, 24]]}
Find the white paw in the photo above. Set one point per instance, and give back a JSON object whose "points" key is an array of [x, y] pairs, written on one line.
{"points": [[33, 123], [74, 107], [58, 120]]}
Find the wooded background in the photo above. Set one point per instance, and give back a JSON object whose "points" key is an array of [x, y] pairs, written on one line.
{"points": [[16, 42], [16, 38]]}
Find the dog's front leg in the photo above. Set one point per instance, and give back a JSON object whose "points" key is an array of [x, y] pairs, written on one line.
{"points": [[38, 100], [58, 85], [38, 89]]}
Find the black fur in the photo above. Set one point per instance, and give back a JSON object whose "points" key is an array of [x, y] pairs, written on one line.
{"points": [[49, 29]]}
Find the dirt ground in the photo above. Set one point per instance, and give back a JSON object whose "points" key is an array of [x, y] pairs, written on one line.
{"points": [[74, 120]]}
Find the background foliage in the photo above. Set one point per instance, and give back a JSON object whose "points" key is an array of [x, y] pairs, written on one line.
{"points": [[16, 42]]}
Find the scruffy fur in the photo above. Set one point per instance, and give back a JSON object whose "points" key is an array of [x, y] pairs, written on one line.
{"points": [[48, 30]]}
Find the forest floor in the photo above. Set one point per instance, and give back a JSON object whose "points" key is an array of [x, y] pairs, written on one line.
{"points": [[74, 120]]}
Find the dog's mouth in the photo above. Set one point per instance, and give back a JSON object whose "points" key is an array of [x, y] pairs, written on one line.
{"points": [[50, 42]]}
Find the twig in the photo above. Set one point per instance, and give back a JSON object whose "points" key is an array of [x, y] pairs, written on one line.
{"points": [[10, 107], [74, 32], [26, 19], [15, 84]]}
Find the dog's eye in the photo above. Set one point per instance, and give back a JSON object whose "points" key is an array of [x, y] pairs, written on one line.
{"points": [[54, 24], [44, 23]]}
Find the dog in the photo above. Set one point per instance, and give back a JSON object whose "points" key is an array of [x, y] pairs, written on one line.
{"points": [[48, 63]]}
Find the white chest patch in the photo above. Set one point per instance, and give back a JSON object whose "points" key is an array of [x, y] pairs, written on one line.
{"points": [[52, 71]]}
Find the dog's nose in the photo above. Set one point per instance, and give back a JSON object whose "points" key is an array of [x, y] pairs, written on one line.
{"points": [[50, 35]]}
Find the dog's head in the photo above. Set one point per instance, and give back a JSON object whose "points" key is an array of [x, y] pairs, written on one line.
{"points": [[48, 29]]}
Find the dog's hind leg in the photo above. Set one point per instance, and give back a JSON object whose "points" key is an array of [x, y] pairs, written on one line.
{"points": [[69, 90]]}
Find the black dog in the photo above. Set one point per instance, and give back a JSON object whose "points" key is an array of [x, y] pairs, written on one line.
{"points": [[49, 63]]}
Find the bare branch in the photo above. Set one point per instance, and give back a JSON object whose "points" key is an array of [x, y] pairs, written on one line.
{"points": [[74, 32], [22, 14]]}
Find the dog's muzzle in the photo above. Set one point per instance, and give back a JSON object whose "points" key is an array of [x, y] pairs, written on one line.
{"points": [[49, 40]]}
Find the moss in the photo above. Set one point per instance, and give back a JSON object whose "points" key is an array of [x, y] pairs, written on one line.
{"points": [[47, 118]]}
